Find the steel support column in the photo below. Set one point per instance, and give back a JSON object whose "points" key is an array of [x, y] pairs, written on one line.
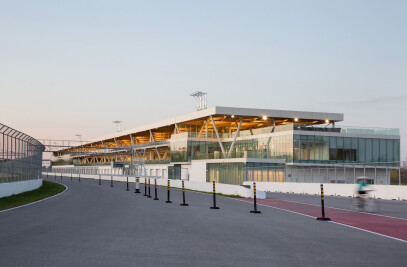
{"points": [[217, 135], [234, 139]]}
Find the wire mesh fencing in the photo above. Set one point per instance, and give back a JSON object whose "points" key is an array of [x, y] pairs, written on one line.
{"points": [[20, 156]]}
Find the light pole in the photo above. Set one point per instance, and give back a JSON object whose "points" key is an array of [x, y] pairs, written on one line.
{"points": [[119, 125], [80, 137]]}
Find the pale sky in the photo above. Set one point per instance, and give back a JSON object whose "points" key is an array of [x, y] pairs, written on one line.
{"points": [[72, 67]]}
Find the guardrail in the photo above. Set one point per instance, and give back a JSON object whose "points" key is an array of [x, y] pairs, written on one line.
{"points": [[20, 156]]}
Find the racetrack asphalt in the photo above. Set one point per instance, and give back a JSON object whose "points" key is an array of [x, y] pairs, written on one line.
{"points": [[92, 225]]}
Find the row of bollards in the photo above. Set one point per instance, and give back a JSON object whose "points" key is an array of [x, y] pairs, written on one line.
{"points": [[168, 191], [137, 190]]}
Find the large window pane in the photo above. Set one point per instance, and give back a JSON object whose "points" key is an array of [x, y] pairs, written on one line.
{"points": [[311, 147], [325, 148], [389, 152], [296, 148], [339, 149], [369, 150], [362, 150], [376, 152], [396, 150], [383, 150], [332, 148]]}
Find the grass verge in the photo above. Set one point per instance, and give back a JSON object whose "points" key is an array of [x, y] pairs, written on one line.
{"points": [[47, 189]]}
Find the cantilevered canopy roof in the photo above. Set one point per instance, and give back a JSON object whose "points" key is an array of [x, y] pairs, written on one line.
{"points": [[252, 118]]}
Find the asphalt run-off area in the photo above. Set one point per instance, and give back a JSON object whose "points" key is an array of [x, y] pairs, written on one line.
{"points": [[99, 225]]}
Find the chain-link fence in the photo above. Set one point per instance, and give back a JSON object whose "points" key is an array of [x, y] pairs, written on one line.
{"points": [[20, 156]]}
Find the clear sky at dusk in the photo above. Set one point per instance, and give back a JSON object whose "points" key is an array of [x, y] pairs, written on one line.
{"points": [[72, 67]]}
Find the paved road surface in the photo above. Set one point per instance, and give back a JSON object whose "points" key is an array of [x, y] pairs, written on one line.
{"points": [[91, 225], [391, 208]]}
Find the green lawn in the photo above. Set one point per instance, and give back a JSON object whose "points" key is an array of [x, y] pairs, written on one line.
{"points": [[47, 189]]}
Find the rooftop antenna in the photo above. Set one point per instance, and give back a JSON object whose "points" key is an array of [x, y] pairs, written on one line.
{"points": [[201, 100], [119, 125]]}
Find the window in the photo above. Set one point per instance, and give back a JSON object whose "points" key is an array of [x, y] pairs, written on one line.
{"points": [[362, 150], [389, 151]]}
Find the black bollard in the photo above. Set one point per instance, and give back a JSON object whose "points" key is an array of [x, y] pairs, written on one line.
{"points": [[155, 189], [149, 190], [323, 218], [145, 187], [79, 177], [255, 200], [168, 193], [183, 196], [47, 174], [137, 185], [55, 176], [214, 198], [127, 183], [111, 180], [100, 179]]}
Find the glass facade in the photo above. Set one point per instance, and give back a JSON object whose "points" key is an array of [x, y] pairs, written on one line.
{"points": [[174, 172], [331, 149], [265, 172], [297, 148], [225, 173], [237, 172]]}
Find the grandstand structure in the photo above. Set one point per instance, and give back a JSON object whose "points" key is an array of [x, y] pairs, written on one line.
{"points": [[231, 145]]}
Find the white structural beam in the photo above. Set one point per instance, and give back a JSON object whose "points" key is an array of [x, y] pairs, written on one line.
{"points": [[200, 132], [234, 139], [206, 128], [217, 135], [132, 140], [151, 136], [176, 129]]}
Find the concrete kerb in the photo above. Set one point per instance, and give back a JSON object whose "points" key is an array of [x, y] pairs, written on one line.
{"points": [[225, 189]]}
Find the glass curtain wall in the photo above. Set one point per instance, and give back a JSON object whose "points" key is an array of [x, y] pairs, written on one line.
{"points": [[331, 149], [174, 172], [265, 172], [279, 147], [225, 173], [237, 172]]}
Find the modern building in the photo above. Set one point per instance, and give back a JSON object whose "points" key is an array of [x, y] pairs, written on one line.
{"points": [[233, 145]]}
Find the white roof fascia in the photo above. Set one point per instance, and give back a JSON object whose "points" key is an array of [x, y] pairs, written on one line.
{"points": [[227, 111], [273, 113]]}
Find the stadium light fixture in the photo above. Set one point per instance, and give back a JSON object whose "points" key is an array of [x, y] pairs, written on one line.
{"points": [[119, 125], [201, 100], [80, 137]]}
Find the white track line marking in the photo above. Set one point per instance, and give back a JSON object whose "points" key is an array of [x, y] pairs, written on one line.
{"points": [[35, 202], [375, 214], [391, 237]]}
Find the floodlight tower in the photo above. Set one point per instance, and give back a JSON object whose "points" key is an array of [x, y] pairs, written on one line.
{"points": [[201, 100], [119, 125], [80, 138]]}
